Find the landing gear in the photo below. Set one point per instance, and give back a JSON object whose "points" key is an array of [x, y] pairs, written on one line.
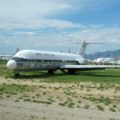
{"points": [[16, 75], [71, 72], [51, 71], [63, 71]]}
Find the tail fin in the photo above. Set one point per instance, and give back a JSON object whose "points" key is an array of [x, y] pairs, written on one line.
{"points": [[84, 46]]}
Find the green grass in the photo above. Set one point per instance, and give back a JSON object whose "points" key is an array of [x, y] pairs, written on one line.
{"points": [[101, 76], [3, 69], [109, 76], [44, 102], [13, 88], [104, 100], [99, 107], [112, 110], [3, 62]]}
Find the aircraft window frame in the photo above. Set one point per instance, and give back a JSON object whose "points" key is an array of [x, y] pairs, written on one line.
{"points": [[18, 59], [19, 64]]}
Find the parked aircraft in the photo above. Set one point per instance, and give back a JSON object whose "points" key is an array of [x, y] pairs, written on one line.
{"points": [[27, 60], [106, 61], [5, 57]]}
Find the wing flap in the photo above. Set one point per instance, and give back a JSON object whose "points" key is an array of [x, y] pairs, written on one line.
{"points": [[87, 67]]}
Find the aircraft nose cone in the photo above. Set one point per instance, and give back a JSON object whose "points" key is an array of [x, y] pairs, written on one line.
{"points": [[11, 64]]}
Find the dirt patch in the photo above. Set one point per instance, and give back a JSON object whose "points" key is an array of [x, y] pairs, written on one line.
{"points": [[32, 99]]}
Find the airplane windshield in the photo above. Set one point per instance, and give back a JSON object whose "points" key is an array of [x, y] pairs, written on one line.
{"points": [[18, 59]]}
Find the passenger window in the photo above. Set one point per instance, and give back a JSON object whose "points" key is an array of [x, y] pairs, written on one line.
{"points": [[19, 64]]}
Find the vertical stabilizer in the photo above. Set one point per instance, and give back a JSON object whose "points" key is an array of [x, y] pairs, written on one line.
{"points": [[83, 48]]}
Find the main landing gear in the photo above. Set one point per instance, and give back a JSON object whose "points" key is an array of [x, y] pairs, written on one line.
{"points": [[16, 75], [71, 72], [51, 71]]}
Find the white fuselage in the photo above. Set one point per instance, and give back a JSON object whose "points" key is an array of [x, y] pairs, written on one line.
{"points": [[42, 60]]}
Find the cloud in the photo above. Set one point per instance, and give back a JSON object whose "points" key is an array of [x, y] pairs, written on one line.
{"points": [[38, 22], [98, 33], [30, 9], [47, 39], [90, 5]]}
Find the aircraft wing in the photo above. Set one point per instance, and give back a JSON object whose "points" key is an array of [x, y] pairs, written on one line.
{"points": [[88, 67]]}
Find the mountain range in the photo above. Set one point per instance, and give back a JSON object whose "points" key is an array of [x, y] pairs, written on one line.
{"points": [[106, 54]]}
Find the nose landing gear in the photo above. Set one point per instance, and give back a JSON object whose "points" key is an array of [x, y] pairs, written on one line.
{"points": [[16, 75]]}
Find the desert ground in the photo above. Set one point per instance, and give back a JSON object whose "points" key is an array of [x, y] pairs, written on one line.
{"points": [[34, 99]]}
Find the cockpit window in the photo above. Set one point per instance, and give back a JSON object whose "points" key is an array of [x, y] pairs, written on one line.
{"points": [[18, 59]]}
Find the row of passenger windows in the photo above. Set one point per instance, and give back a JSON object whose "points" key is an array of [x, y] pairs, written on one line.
{"points": [[33, 60]]}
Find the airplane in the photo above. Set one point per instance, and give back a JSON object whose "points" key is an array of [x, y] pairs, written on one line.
{"points": [[28, 60]]}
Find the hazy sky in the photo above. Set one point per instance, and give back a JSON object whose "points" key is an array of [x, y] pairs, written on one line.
{"points": [[56, 24]]}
